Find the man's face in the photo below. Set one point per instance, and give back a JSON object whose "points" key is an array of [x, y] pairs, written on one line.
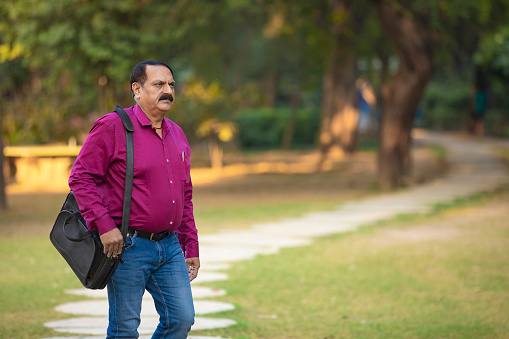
{"points": [[156, 95]]}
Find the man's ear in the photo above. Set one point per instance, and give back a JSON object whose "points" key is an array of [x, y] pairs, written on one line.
{"points": [[136, 88]]}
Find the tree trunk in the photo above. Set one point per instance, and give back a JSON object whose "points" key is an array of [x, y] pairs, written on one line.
{"points": [[215, 153], [338, 129], [3, 196], [339, 124], [286, 141], [270, 84], [401, 94]]}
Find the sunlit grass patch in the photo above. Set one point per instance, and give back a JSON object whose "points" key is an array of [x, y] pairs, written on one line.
{"points": [[33, 280], [382, 282]]}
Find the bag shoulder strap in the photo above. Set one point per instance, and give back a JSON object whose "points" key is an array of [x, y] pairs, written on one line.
{"points": [[128, 188], [126, 120]]}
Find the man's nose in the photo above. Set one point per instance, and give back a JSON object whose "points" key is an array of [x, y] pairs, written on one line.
{"points": [[168, 89]]}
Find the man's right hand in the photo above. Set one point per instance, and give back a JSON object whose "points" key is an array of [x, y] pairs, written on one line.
{"points": [[112, 242]]}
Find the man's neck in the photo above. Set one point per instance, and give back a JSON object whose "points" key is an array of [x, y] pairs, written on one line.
{"points": [[155, 119], [156, 122]]}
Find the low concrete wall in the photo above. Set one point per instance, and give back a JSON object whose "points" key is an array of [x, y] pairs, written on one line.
{"points": [[39, 168]]}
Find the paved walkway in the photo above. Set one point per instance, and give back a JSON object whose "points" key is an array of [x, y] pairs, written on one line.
{"points": [[473, 168]]}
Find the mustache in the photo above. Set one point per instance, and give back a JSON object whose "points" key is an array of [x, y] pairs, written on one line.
{"points": [[166, 97]]}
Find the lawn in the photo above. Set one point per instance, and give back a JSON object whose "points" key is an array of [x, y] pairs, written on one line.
{"points": [[439, 276], [34, 277]]}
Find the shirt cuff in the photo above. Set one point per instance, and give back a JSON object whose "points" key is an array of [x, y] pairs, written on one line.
{"points": [[192, 250], [105, 224]]}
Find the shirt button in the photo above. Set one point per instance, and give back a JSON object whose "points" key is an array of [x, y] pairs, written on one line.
{"points": [[171, 181], [167, 160], [173, 201], [171, 222]]}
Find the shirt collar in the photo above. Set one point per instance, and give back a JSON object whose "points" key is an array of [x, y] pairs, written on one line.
{"points": [[143, 119]]}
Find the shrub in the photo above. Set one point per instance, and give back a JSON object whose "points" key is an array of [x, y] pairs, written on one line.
{"points": [[445, 104], [263, 128]]}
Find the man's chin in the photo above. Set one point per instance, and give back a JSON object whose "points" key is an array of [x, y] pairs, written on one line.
{"points": [[165, 105]]}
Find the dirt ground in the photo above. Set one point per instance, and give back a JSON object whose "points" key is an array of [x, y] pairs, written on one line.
{"points": [[451, 223], [298, 179], [259, 178]]}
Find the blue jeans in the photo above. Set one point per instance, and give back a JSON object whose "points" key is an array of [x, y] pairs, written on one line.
{"points": [[160, 268]]}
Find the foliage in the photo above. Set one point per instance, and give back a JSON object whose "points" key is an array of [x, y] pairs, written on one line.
{"points": [[445, 104], [80, 61], [223, 131], [261, 53], [458, 30], [77, 62], [493, 54], [264, 128], [492, 57], [72, 58]]}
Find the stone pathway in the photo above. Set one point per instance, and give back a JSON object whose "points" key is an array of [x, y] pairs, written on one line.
{"points": [[473, 168]]}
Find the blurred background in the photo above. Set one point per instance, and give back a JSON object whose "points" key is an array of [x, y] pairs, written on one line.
{"points": [[290, 107], [327, 77]]}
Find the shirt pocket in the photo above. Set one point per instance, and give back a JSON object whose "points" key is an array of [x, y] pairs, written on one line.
{"points": [[185, 164]]}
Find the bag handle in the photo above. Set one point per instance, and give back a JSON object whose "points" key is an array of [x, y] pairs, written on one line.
{"points": [[129, 163], [73, 215]]}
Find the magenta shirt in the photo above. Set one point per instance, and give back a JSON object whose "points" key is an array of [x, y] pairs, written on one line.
{"points": [[162, 188]]}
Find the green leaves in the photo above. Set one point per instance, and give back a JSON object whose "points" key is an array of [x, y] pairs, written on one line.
{"points": [[259, 52], [493, 52]]}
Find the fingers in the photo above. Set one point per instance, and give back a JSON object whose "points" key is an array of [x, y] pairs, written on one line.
{"points": [[193, 273], [193, 265], [113, 250], [195, 262], [112, 242]]}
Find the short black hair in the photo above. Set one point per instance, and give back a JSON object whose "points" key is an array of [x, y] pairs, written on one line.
{"points": [[139, 74]]}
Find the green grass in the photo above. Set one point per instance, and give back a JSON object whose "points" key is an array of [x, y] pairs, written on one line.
{"points": [[347, 286], [32, 283], [34, 277], [367, 285]]}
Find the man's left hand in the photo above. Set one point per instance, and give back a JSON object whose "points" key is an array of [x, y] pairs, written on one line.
{"points": [[193, 265]]}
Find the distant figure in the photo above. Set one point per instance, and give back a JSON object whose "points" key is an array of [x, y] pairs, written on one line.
{"points": [[161, 249], [478, 104], [419, 115], [366, 99]]}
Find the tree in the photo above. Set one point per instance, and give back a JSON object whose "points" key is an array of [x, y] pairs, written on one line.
{"points": [[402, 93], [351, 32], [70, 53], [338, 128], [492, 58], [419, 31], [216, 132], [3, 196], [10, 54], [78, 55], [82, 50], [13, 78]]}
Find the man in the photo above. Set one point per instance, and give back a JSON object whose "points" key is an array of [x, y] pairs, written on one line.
{"points": [[161, 250]]}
